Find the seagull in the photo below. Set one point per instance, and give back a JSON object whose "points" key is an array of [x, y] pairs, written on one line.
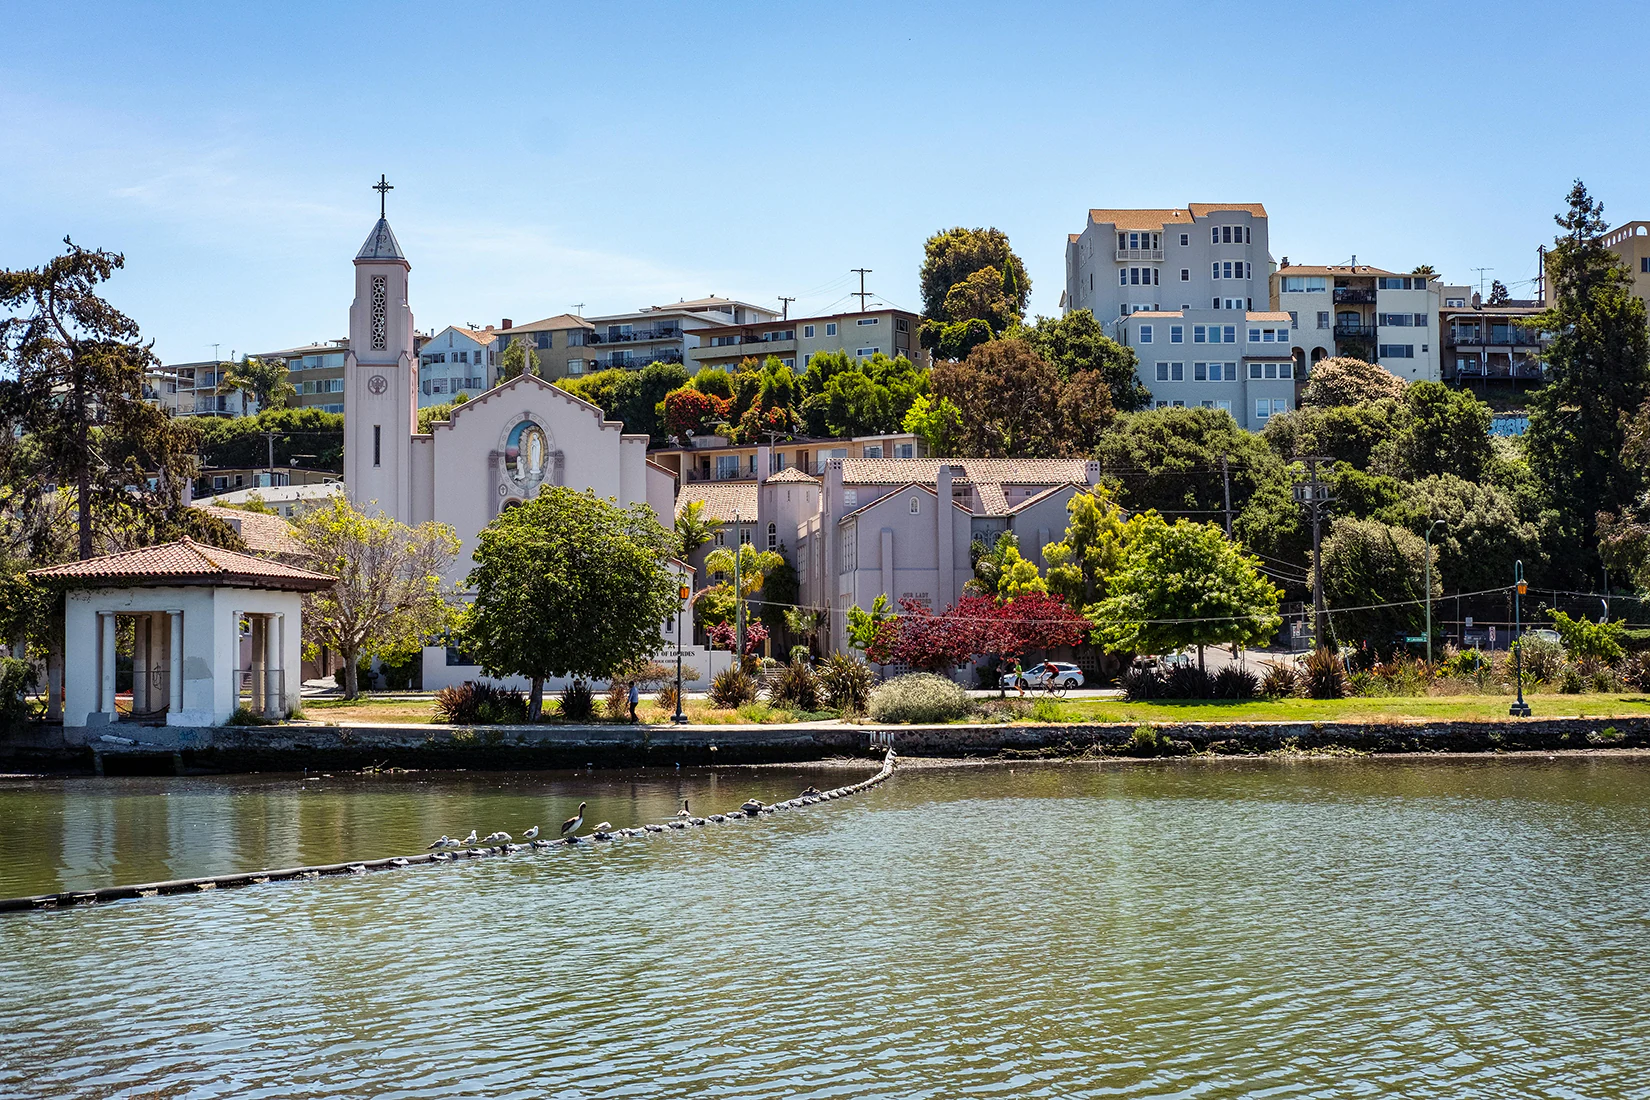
{"points": [[497, 838], [442, 843], [683, 812], [571, 825], [604, 827], [530, 833], [467, 841]]}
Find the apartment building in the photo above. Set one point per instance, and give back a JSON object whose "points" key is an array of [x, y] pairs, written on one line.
{"points": [[794, 341], [316, 371], [1632, 243], [664, 334], [1485, 343], [1242, 366], [1362, 312], [560, 342], [195, 389], [713, 458], [1207, 257], [456, 360]]}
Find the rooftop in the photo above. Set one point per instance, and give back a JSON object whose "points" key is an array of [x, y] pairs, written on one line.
{"points": [[723, 499], [792, 474], [381, 244], [262, 532], [1157, 218], [184, 562], [996, 471]]}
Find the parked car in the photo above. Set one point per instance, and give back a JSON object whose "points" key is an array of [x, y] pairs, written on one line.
{"points": [[1066, 675]]}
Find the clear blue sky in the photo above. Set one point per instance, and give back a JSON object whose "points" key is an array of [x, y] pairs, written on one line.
{"points": [[625, 154]]}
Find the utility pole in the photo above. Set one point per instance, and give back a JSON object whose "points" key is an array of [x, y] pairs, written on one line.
{"points": [[738, 599], [861, 293], [1428, 581], [785, 307], [1315, 494], [1541, 273], [1226, 485]]}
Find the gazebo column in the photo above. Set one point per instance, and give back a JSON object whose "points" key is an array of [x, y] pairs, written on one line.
{"points": [[255, 663], [140, 665], [106, 663], [274, 693], [174, 662]]}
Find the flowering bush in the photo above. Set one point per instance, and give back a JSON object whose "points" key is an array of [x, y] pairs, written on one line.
{"points": [[920, 697]]}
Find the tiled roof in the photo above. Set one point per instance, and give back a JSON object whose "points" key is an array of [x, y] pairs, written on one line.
{"points": [[262, 533], [791, 473], [889, 497], [484, 336], [558, 322], [723, 499], [1337, 269], [1035, 498], [1153, 219], [184, 562], [1204, 209], [999, 471], [993, 501]]}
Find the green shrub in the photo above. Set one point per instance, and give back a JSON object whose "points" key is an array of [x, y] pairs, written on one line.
{"points": [[1233, 682], [246, 716], [16, 680], [1543, 658], [480, 704], [732, 687], [1147, 741], [920, 697], [577, 702], [1569, 681], [1589, 639], [795, 685], [1280, 682], [1047, 710], [846, 683], [1141, 685], [1188, 682], [1324, 675]]}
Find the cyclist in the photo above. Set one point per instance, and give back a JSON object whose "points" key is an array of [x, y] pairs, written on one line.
{"points": [[1050, 674]]}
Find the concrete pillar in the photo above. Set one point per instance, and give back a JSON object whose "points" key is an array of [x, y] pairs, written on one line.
{"points": [[174, 662], [255, 663], [945, 558], [106, 663], [274, 700], [140, 665], [886, 563]]}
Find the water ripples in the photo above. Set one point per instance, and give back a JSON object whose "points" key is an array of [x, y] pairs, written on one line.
{"points": [[1323, 930]]}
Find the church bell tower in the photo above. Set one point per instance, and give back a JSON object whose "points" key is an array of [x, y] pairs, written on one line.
{"points": [[380, 377]]}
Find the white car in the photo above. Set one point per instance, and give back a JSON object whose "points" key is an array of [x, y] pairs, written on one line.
{"points": [[1065, 676]]}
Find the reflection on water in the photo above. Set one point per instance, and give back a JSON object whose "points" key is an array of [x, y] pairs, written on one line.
{"points": [[1300, 929]]}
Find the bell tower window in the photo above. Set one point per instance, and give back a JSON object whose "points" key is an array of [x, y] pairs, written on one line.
{"points": [[380, 312]]}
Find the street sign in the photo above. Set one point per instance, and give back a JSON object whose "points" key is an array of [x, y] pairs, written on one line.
{"points": [[1469, 622], [1492, 635]]}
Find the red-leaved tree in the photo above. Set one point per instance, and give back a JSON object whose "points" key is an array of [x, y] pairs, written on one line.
{"points": [[722, 636], [687, 410], [976, 626]]}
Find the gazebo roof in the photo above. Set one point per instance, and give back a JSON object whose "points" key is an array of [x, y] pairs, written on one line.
{"points": [[184, 562]]}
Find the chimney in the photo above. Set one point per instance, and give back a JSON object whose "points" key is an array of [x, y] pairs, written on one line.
{"points": [[764, 461], [506, 323], [945, 548]]}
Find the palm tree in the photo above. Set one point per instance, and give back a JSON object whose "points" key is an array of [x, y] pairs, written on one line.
{"points": [[265, 380], [694, 527]]}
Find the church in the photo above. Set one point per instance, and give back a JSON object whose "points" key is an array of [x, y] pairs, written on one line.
{"points": [[497, 450]]}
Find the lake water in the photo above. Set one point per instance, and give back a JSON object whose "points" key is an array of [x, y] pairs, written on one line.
{"points": [[1212, 929]]}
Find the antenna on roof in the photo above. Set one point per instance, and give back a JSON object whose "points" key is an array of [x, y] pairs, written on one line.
{"points": [[578, 309]]}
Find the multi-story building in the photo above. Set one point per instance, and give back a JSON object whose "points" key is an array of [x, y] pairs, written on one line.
{"points": [[316, 371], [1632, 243], [1239, 364], [713, 458], [664, 334], [1483, 343], [1362, 312], [196, 389], [796, 340], [456, 360], [560, 342]]}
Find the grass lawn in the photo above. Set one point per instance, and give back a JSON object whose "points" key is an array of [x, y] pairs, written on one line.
{"points": [[1381, 709]]}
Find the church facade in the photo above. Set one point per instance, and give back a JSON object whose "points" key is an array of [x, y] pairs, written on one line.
{"points": [[498, 449]]}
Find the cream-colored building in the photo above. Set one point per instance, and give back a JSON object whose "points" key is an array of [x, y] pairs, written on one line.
{"points": [[560, 342], [1632, 243], [891, 332], [1361, 312], [713, 458]]}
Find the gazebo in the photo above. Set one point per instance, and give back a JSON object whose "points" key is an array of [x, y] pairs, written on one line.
{"points": [[187, 603]]}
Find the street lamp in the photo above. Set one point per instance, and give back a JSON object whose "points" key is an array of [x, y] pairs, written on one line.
{"points": [[1428, 582], [1520, 709], [683, 591]]}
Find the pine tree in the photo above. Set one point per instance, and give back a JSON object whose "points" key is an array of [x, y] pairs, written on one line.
{"points": [[1599, 365], [1499, 294]]}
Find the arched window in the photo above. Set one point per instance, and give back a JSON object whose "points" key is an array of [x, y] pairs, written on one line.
{"points": [[916, 505], [773, 536], [1319, 354]]}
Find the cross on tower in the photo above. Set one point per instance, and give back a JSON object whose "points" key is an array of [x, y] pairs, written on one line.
{"points": [[382, 186]]}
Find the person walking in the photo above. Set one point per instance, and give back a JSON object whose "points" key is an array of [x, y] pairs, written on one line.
{"points": [[1020, 677], [635, 697]]}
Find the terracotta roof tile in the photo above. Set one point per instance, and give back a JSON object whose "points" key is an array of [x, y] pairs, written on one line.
{"points": [[791, 473], [723, 499], [993, 501], [1000, 471], [1035, 498], [262, 533], [1156, 218], [184, 562]]}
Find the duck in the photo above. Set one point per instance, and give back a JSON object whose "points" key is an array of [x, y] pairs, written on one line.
{"points": [[810, 791], [683, 812], [654, 828], [531, 834], [716, 817], [678, 824], [752, 807], [571, 825]]}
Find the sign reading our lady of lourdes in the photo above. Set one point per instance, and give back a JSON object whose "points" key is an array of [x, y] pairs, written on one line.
{"points": [[495, 450]]}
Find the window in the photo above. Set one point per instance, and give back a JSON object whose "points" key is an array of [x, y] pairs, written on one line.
{"points": [[1231, 372], [773, 536], [1396, 351], [438, 385], [850, 497], [1200, 372], [1122, 276], [727, 466], [1214, 269], [1323, 318], [1263, 408], [1457, 303], [721, 538], [1231, 334], [1185, 239], [1303, 284], [1162, 372], [807, 332], [1185, 274], [1401, 282], [872, 450], [868, 321], [1644, 263], [1177, 334], [1214, 303], [575, 366], [1224, 406], [866, 352], [901, 325], [744, 536], [1177, 372], [916, 506], [544, 340], [377, 444], [1200, 334], [1145, 334], [830, 328], [1254, 335], [1214, 234]]}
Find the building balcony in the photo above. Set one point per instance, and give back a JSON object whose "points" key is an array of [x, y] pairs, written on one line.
{"points": [[632, 361], [1514, 338], [1154, 255], [637, 336], [1354, 296], [748, 348], [1354, 332]]}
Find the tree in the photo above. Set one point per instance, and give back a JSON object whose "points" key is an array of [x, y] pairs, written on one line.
{"points": [[1009, 397], [1445, 431], [310, 435], [954, 340], [952, 255], [1345, 381], [846, 396], [753, 565], [694, 528], [1483, 532], [1376, 572], [1499, 295], [1094, 549], [1424, 269], [936, 421], [923, 640], [688, 412], [865, 626], [72, 373], [517, 358], [1031, 621], [1075, 344], [979, 296], [1624, 535], [1340, 433], [1599, 375], [1186, 584], [264, 380], [1169, 460], [569, 584], [1000, 570], [1601, 641], [389, 595], [1086, 412]]}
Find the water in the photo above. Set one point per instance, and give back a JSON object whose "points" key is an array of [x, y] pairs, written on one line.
{"points": [[1317, 929]]}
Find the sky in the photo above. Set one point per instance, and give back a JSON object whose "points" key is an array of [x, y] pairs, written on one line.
{"points": [[617, 155]]}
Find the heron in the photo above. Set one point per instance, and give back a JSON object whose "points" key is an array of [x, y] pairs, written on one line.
{"points": [[571, 825]]}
